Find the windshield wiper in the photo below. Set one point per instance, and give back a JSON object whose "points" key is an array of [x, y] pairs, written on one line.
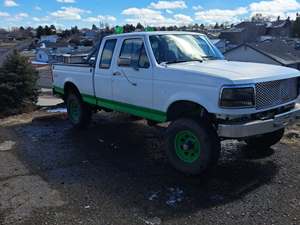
{"points": [[209, 57], [180, 61]]}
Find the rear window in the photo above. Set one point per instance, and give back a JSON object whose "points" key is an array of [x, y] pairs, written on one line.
{"points": [[107, 53]]}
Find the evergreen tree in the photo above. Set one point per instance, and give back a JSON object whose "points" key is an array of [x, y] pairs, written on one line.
{"points": [[94, 27], [53, 29], [139, 26], [39, 31], [296, 27], [17, 84]]}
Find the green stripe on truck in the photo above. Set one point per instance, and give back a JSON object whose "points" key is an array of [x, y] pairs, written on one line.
{"points": [[132, 109], [89, 99], [58, 90], [151, 114]]}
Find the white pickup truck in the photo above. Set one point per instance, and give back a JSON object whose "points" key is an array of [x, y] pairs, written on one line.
{"points": [[181, 78]]}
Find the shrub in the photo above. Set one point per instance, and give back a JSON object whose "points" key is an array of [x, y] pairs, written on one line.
{"points": [[18, 90]]}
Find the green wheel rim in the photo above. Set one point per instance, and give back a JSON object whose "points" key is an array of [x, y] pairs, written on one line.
{"points": [[74, 111], [187, 146]]}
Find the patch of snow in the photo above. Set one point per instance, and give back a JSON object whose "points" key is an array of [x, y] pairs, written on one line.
{"points": [[175, 196], [152, 221], [7, 145], [153, 196], [58, 110]]}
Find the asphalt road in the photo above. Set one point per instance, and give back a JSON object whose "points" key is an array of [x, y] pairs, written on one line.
{"points": [[115, 172]]}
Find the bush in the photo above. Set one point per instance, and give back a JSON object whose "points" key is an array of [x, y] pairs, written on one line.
{"points": [[18, 90]]}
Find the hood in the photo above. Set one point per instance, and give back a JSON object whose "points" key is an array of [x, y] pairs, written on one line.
{"points": [[238, 71]]}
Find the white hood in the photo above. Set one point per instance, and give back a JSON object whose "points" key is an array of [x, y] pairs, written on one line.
{"points": [[238, 71]]}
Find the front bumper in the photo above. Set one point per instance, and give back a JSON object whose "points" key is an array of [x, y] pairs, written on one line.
{"points": [[258, 127]]}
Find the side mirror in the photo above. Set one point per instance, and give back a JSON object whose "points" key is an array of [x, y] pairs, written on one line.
{"points": [[92, 62], [124, 62]]}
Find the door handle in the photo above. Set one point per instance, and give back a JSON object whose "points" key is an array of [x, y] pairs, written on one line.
{"points": [[117, 73]]}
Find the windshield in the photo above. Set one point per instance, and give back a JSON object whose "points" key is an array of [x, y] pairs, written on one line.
{"points": [[175, 48]]}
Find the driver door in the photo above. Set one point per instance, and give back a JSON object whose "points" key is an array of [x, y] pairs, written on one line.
{"points": [[132, 81]]}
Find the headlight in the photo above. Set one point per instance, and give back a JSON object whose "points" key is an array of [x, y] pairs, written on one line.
{"points": [[237, 97]]}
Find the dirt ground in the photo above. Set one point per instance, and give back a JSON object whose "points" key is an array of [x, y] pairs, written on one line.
{"points": [[115, 172]]}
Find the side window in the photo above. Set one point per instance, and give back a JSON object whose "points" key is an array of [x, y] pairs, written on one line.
{"points": [[107, 53], [134, 50], [126, 49], [143, 60]]}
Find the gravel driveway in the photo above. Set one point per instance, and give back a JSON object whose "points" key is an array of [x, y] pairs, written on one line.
{"points": [[115, 172]]}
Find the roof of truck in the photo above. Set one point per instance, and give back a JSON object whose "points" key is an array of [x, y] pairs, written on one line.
{"points": [[152, 33]]}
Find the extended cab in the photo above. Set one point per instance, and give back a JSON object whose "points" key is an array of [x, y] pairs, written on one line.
{"points": [[180, 77]]}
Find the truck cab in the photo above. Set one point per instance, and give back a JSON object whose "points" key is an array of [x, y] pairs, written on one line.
{"points": [[183, 79]]}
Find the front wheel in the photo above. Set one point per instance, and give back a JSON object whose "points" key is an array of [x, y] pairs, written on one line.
{"points": [[192, 146], [265, 141], [78, 112]]}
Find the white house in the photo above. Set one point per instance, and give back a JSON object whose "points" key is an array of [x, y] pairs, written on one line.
{"points": [[284, 52], [61, 53], [49, 38], [42, 55]]}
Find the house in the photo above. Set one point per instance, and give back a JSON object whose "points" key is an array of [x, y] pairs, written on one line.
{"points": [[279, 28], [49, 38], [90, 34], [284, 52], [3, 35], [60, 53], [244, 32]]}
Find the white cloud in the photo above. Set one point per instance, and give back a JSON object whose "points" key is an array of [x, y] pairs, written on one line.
{"points": [[10, 3], [149, 17], [38, 8], [183, 19], [197, 7], [36, 19], [221, 16], [69, 13], [169, 11], [4, 14], [18, 17], [22, 15], [168, 5], [66, 1], [274, 8], [100, 18]]}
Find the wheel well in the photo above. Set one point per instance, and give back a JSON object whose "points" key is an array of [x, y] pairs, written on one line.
{"points": [[69, 86], [185, 109]]}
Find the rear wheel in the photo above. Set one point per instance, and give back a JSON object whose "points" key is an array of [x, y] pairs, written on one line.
{"points": [[192, 146], [79, 113], [265, 141]]}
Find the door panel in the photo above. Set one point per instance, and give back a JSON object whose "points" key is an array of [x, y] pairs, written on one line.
{"points": [[103, 75], [132, 84]]}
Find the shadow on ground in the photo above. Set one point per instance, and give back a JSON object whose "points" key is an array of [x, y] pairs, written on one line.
{"points": [[119, 163]]}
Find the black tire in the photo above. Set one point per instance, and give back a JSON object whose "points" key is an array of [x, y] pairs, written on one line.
{"points": [[265, 141], [207, 138], [84, 114]]}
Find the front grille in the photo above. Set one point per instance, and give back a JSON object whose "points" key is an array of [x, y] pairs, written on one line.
{"points": [[273, 93]]}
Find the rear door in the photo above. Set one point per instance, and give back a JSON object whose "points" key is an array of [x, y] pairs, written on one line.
{"points": [[132, 84], [104, 70]]}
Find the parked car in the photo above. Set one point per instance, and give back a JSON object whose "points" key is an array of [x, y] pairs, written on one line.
{"points": [[181, 78]]}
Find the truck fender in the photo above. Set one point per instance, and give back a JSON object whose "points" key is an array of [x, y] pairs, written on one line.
{"points": [[190, 97]]}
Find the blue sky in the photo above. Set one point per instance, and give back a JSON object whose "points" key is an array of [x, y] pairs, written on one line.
{"points": [[84, 13]]}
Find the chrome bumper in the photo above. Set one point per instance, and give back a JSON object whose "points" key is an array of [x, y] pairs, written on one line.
{"points": [[259, 127]]}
